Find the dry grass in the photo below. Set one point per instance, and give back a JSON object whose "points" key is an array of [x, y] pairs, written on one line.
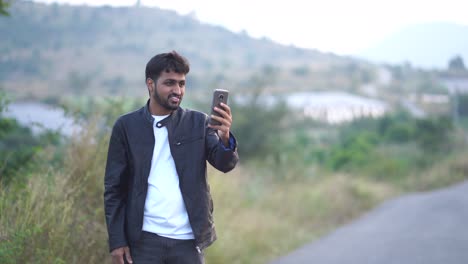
{"points": [[58, 217], [444, 172], [258, 220]]}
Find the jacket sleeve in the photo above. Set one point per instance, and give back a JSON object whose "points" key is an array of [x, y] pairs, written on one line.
{"points": [[221, 157], [115, 188]]}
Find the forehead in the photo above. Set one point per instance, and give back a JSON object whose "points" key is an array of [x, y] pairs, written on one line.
{"points": [[172, 75]]}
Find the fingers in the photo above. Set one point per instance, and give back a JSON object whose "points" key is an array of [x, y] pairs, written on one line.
{"points": [[226, 108], [118, 255], [127, 255], [225, 118], [224, 121]]}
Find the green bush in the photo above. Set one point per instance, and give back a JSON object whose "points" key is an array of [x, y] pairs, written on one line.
{"points": [[259, 128], [434, 134], [400, 133], [353, 151], [18, 146], [463, 105], [360, 143]]}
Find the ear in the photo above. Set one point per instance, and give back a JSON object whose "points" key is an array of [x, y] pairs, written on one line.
{"points": [[149, 84]]}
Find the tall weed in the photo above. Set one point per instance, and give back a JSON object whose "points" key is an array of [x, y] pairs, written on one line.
{"points": [[58, 217]]}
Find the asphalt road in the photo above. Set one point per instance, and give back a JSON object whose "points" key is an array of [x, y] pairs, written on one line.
{"points": [[422, 228]]}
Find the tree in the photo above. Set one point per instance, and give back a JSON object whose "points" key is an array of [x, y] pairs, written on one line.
{"points": [[463, 105], [457, 64], [3, 7]]}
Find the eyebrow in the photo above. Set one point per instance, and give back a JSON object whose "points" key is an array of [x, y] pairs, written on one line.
{"points": [[174, 80]]}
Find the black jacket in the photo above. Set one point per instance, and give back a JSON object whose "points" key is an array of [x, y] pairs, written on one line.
{"points": [[131, 145]]}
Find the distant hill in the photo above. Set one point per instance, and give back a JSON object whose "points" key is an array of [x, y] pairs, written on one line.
{"points": [[429, 45], [54, 50]]}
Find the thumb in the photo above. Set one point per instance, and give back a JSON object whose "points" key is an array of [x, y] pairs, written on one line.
{"points": [[127, 255]]}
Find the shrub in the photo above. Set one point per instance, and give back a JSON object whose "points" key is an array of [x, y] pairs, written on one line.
{"points": [[58, 216], [18, 146], [433, 134]]}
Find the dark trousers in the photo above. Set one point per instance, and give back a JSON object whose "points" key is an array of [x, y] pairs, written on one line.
{"points": [[154, 249]]}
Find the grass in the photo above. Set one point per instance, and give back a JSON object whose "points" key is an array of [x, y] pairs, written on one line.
{"points": [[59, 218], [258, 219]]}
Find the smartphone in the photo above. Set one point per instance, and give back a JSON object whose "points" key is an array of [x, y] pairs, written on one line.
{"points": [[219, 96]]}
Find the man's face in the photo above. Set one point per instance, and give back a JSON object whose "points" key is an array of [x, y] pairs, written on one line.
{"points": [[168, 91]]}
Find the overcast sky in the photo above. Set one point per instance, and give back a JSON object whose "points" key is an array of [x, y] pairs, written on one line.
{"points": [[339, 26]]}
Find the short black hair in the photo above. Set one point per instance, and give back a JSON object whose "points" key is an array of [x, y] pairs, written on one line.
{"points": [[170, 61]]}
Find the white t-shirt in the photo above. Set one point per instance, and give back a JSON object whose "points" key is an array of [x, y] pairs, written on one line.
{"points": [[165, 213]]}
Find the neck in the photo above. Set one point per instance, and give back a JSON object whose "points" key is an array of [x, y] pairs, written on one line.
{"points": [[158, 110]]}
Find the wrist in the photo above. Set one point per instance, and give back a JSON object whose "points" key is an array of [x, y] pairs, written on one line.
{"points": [[225, 138]]}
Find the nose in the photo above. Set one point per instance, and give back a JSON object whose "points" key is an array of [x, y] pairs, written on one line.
{"points": [[177, 89]]}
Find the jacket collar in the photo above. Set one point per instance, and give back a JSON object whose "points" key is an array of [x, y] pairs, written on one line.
{"points": [[165, 121], [147, 113]]}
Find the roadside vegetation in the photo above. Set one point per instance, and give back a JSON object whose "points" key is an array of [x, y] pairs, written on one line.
{"points": [[297, 180]]}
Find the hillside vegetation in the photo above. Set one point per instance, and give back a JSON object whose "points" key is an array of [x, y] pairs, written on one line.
{"points": [[52, 52], [101, 50]]}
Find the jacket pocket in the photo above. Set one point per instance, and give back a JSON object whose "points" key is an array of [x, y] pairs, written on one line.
{"points": [[188, 140]]}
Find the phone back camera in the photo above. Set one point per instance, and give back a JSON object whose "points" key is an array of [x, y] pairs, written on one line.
{"points": [[221, 97]]}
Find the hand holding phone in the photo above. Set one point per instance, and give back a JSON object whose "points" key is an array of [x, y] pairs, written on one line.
{"points": [[219, 96]]}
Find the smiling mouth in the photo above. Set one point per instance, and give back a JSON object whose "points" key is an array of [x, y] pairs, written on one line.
{"points": [[174, 98]]}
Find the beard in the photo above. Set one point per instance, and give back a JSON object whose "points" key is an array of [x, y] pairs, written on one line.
{"points": [[167, 103]]}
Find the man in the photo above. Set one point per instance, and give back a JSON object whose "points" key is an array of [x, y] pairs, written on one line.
{"points": [[157, 201]]}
